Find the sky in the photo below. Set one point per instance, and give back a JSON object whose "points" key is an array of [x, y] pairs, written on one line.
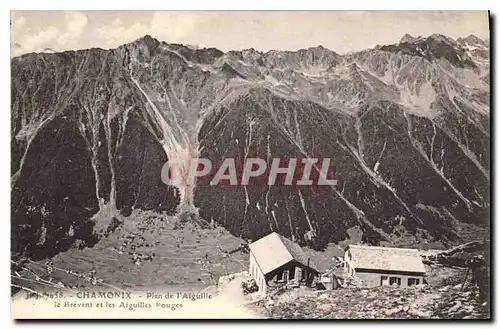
{"points": [[341, 31]]}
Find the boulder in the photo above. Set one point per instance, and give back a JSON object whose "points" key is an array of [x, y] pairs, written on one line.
{"points": [[393, 311], [420, 313], [325, 307], [455, 307]]}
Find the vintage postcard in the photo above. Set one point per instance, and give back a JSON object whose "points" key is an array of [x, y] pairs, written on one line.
{"points": [[250, 165]]}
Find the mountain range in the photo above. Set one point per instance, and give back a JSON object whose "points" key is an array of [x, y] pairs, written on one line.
{"points": [[406, 125]]}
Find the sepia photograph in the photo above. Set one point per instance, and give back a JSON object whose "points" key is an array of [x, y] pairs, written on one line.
{"points": [[250, 165]]}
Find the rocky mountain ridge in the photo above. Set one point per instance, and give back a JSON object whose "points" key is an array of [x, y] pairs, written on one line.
{"points": [[407, 126]]}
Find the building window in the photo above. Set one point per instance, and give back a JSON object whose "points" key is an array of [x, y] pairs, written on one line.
{"points": [[394, 280], [413, 281]]}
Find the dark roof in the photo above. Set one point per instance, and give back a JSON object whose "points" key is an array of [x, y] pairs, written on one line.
{"points": [[297, 253]]}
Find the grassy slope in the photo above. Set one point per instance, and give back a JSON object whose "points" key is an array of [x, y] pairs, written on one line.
{"points": [[183, 255]]}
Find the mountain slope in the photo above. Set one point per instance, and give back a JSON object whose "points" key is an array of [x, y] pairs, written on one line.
{"points": [[406, 127]]}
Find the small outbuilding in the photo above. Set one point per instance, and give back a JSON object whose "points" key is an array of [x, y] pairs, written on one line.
{"points": [[275, 260], [379, 266], [330, 280]]}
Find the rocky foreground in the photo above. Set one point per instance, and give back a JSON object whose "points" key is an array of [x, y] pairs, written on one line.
{"points": [[423, 302]]}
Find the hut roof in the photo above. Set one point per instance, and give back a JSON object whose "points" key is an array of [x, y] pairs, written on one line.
{"points": [[385, 258], [274, 251]]}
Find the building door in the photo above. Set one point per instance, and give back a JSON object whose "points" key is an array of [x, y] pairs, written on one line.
{"points": [[298, 273], [384, 280], [285, 275]]}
